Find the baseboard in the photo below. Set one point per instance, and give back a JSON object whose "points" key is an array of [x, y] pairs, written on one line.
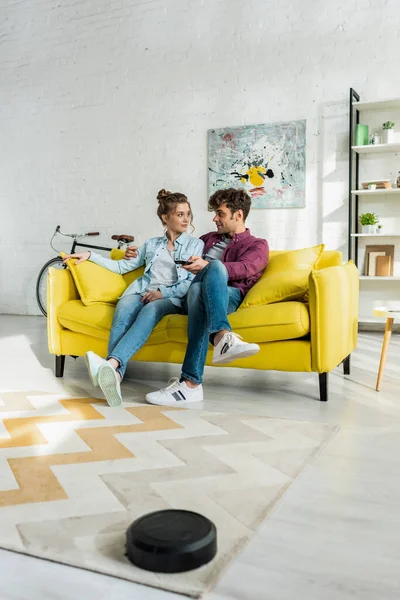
{"points": [[363, 326]]}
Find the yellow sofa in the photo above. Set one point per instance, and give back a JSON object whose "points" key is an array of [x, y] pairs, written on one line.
{"points": [[314, 334]]}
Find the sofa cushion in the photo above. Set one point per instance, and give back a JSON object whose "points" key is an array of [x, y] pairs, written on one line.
{"points": [[95, 283], [285, 278], [286, 260], [268, 323], [287, 285], [329, 258], [258, 324], [118, 254], [96, 319]]}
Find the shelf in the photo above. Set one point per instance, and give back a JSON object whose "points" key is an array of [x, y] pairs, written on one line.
{"points": [[389, 192], [376, 278], [390, 104], [375, 235], [360, 162], [377, 148]]}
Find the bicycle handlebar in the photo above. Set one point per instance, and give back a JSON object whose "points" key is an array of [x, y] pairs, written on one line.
{"points": [[76, 235], [122, 239]]}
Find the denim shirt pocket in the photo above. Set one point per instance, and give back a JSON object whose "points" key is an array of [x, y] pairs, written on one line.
{"points": [[148, 263], [150, 257]]}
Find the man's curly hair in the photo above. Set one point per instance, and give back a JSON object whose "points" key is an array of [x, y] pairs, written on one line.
{"points": [[234, 200]]}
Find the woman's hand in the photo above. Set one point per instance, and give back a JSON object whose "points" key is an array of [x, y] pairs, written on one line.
{"points": [[81, 256], [151, 296], [131, 252]]}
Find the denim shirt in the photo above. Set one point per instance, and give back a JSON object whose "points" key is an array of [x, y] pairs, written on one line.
{"points": [[185, 246]]}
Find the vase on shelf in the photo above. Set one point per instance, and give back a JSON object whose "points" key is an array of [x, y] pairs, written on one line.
{"points": [[361, 135], [388, 136], [368, 229]]}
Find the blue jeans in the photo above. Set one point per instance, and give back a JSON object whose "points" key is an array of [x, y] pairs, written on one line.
{"points": [[208, 302], [132, 325]]}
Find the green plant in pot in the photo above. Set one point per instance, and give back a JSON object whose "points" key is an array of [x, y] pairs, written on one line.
{"points": [[388, 132], [368, 222]]}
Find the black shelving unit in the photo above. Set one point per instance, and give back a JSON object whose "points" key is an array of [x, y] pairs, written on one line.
{"points": [[354, 176]]}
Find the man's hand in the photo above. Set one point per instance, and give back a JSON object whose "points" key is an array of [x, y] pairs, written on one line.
{"points": [[197, 265], [151, 296], [81, 256], [131, 252]]}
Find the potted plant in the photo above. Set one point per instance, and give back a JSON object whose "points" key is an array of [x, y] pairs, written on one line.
{"points": [[388, 133], [379, 229], [368, 222]]}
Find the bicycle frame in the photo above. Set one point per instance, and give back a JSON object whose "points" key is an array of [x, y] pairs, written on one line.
{"points": [[75, 244], [42, 278]]}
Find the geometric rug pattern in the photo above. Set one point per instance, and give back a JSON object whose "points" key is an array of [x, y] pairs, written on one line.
{"points": [[75, 473]]}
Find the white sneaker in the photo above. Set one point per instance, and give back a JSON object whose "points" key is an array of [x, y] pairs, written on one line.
{"points": [[110, 385], [93, 362], [177, 392], [230, 347]]}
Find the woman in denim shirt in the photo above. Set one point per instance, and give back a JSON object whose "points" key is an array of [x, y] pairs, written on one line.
{"points": [[158, 292]]}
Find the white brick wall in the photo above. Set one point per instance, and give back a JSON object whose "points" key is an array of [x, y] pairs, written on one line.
{"points": [[103, 102]]}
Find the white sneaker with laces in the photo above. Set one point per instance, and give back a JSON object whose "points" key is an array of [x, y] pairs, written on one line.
{"points": [[93, 362], [176, 392], [230, 347]]}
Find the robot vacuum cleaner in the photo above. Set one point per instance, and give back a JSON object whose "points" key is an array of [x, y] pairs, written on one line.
{"points": [[171, 541]]}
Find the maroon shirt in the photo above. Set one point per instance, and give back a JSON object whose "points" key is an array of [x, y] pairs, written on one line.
{"points": [[245, 257]]}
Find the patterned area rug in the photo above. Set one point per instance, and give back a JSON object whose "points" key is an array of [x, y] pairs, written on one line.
{"points": [[75, 473]]}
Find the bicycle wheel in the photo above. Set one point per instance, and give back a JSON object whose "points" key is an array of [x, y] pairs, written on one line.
{"points": [[41, 283]]}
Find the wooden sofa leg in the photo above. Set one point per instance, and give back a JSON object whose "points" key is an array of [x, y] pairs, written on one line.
{"points": [[323, 387], [60, 361], [346, 365]]}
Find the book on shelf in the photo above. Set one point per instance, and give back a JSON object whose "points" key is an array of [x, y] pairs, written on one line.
{"points": [[379, 251], [372, 258], [382, 266], [381, 184]]}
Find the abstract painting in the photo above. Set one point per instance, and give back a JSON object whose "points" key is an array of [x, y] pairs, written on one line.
{"points": [[268, 161]]}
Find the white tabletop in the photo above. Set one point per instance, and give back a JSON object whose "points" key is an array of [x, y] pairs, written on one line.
{"points": [[390, 311]]}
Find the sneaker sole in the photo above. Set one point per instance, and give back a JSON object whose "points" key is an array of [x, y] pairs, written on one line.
{"points": [[173, 403], [95, 382], [108, 384], [241, 354]]}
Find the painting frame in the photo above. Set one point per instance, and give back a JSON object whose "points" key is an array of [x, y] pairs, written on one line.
{"points": [[267, 160]]}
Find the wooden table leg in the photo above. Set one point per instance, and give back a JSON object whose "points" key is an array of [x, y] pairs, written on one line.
{"points": [[385, 346]]}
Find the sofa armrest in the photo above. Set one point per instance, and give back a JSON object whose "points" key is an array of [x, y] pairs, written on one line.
{"points": [[333, 300], [60, 289]]}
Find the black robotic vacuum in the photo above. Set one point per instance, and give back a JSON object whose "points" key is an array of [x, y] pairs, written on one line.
{"points": [[171, 541]]}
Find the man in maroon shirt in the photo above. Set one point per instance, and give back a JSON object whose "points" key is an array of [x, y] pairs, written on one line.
{"points": [[232, 262]]}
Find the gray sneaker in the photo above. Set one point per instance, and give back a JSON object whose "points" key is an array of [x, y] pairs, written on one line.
{"points": [[93, 362], [110, 385]]}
